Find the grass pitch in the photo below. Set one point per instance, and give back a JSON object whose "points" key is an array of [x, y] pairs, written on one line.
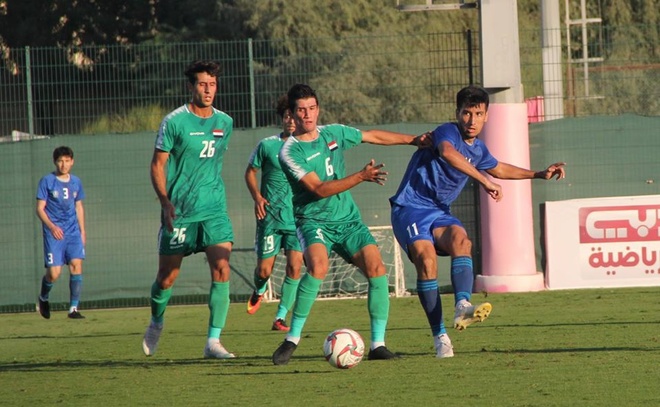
{"points": [[554, 348]]}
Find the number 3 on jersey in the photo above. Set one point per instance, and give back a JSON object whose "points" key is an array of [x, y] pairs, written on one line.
{"points": [[209, 149]]}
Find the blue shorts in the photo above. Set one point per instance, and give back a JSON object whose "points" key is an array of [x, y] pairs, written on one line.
{"points": [[412, 224], [60, 252]]}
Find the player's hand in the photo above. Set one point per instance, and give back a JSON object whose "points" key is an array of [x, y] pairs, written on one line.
{"points": [[423, 140], [555, 170], [260, 207], [373, 172], [57, 232], [494, 190], [169, 214]]}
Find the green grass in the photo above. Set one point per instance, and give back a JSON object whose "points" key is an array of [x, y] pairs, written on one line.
{"points": [[555, 348]]}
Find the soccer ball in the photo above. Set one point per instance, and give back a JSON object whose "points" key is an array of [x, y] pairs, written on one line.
{"points": [[343, 348]]}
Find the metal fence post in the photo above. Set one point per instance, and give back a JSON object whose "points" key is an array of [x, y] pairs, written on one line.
{"points": [[468, 36], [253, 108], [28, 91]]}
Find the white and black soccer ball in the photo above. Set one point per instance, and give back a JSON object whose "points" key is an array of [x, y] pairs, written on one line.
{"points": [[343, 348]]}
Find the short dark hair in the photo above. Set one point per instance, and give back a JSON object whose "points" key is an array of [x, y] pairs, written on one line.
{"points": [[471, 96], [282, 105], [210, 67], [62, 151], [300, 91]]}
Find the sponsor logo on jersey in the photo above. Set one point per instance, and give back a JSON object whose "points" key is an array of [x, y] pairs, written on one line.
{"points": [[311, 157], [218, 133], [197, 133], [333, 145]]}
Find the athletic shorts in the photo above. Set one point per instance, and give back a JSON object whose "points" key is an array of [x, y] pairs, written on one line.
{"points": [[192, 237], [412, 224], [60, 252], [345, 239], [269, 241]]}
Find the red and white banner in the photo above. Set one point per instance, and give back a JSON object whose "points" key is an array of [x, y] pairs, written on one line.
{"points": [[603, 242]]}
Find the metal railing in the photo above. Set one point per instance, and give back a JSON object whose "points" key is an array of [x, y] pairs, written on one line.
{"points": [[360, 80]]}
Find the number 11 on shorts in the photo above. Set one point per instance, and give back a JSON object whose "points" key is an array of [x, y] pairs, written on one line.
{"points": [[412, 230]]}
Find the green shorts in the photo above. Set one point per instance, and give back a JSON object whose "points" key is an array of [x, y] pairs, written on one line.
{"points": [[193, 237], [269, 241], [345, 239]]}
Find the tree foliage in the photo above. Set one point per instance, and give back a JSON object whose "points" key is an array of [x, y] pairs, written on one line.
{"points": [[354, 51]]}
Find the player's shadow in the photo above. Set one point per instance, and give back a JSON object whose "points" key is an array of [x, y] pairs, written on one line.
{"points": [[262, 362], [426, 353]]}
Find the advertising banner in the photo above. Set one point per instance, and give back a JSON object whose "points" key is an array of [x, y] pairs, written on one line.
{"points": [[603, 242]]}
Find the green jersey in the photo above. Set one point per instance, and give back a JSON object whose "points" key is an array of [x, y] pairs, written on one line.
{"points": [[196, 146], [274, 185], [325, 157]]}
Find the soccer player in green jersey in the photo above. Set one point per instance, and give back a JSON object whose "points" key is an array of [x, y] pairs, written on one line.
{"points": [[327, 218], [275, 225], [185, 173]]}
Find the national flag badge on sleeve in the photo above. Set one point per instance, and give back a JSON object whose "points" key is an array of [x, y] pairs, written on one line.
{"points": [[333, 145], [218, 133]]}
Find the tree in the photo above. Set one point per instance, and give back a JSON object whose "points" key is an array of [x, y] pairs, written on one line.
{"points": [[73, 24]]}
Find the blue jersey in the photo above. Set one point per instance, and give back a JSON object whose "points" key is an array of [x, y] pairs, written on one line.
{"points": [[429, 181], [61, 198]]}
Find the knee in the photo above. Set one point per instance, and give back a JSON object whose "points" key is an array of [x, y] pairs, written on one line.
{"points": [[427, 267], [165, 279], [462, 246], [376, 270], [264, 271], [293, 271]]}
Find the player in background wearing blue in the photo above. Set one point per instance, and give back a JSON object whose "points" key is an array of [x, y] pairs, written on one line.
{"points": [[276, 228], [60, 209], [327, 217], [421, 217], [186, 175]]}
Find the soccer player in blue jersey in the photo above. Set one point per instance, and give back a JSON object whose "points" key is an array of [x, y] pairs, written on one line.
{"points": [[327, 217], [421, 218], [276, 228], [186, 175], [60, 208]]}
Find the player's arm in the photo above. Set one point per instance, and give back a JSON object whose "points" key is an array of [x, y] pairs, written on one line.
{"points": [[259, 201], [509, 171], [456, 160], [159, 183], [370, 173], [389, 138], [80, 214], [43, 217]]}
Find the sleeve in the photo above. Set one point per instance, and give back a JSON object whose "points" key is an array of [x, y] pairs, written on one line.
{"points": [[228, 128], [81, 191], [348, 137], [444, 132], [42, 189], [256, 158], [165, 137], [293, 165], [487, 160]]}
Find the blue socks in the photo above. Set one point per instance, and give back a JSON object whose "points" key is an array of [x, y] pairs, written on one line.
{"points": [[75, 287], [429, 297], [462, 278], [46, 286]]}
